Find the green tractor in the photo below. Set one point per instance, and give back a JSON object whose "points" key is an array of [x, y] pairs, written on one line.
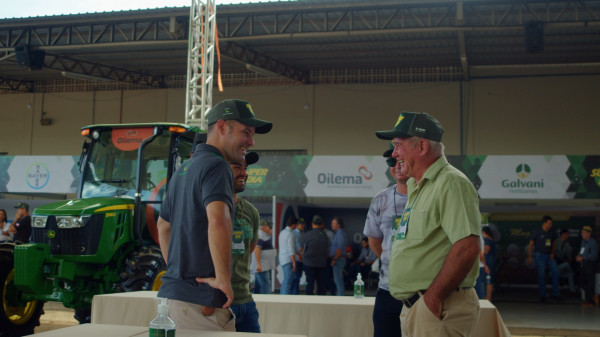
{"points": [[104, 241]]}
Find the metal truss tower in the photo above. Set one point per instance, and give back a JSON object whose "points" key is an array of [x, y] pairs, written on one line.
{"points": [[201, 51]]}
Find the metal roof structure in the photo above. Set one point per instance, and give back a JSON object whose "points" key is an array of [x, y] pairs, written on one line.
{"points": [[327, 41]]}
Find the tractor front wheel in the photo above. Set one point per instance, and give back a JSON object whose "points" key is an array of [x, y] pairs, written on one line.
{"points": [[17, 317]]}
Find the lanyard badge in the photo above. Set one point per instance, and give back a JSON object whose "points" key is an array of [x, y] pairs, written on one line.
{"points": [[237, 247], [403, 226]]}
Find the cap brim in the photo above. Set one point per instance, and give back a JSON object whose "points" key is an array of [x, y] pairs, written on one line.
{"points": [[260, 126], [251, 158], [391, 134], [388, 153]]}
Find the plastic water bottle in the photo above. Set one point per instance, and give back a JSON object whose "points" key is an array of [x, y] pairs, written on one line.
{"points": [[359, 287], [162, 325]]}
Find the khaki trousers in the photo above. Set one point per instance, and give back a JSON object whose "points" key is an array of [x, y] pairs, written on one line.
{"points": [[460, 313], [189, 316]]}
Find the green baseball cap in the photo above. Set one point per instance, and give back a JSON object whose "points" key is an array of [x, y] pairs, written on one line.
{"points": [[265, 222], [414, 124], [317, 219], [237, 110], [251, 158], [23, 205], [389, 151]]}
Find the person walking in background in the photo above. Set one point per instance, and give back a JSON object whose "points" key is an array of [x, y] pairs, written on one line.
{"points": [[264, 256], [315, 248], [337, 252], [287, 252], [298, 231], [588, 256], [489, 251], [433, 265], [564, 257], [543, 241]]}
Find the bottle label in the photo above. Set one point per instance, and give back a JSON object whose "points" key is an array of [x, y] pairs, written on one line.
{"points": [[359, 290], [161, 332]]}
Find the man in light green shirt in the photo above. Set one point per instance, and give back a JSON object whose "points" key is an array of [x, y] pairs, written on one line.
{"points": [[433, 265]]}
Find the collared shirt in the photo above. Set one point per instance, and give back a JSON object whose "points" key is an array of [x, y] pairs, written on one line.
{"points": [[444, 208], [366, 255], [339, 242], [287, 246], [543, 240], [385, 206], [246, 218], [589, 250]]}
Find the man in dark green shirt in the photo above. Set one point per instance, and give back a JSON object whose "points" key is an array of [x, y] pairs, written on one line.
{"points": [[245, 236]]}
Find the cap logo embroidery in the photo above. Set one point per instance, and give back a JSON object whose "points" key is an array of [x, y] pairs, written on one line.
{"points": [[421, 130], [250, 109], [400, 118], [227, 111]]}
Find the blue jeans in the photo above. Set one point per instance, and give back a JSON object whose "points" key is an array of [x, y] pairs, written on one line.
{"points": [[246, 317], [541, 261], [480, 284], [288, 278], [297, 277], [338, 276], [386, 315], [262, 282]]}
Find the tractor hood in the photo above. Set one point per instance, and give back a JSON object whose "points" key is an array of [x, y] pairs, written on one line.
{"points": [[85, 206]]}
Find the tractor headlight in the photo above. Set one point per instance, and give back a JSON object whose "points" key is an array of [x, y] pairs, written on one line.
{"points": [[39, 221], [71, 221]]}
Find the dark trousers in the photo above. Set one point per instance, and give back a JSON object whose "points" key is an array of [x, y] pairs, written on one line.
{"points": [[315, 274], [386, 315], [588, 280]]}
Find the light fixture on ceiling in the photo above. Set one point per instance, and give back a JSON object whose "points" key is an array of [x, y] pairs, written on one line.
{"points": [[85, 77], [262, 71]]}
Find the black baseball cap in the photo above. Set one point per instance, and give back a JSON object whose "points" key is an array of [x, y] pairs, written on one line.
{"points": [[414, 124], [389, 151], [251, 158], [237, 110], [317, 220], [23, 205]]}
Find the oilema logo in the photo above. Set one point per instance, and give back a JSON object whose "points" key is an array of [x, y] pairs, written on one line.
{"points": [[596, 175], [256, 176], [523, 171], [520, 185], [37, 175], [334, 179]]}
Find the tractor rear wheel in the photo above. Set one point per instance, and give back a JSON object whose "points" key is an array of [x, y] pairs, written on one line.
{"points": [[17, 317]]}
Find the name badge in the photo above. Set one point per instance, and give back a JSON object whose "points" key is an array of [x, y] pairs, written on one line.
{"points": [[402, 228], [548, 242], [237, 246]]}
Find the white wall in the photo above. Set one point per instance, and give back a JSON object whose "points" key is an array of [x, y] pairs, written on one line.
{"points": [[542, 115]]}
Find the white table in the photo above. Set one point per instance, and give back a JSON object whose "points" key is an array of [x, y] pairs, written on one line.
{"points": [[103, 330], [314, 316]]}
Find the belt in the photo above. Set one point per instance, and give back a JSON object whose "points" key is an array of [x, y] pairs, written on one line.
{"points": [[409, 302]]}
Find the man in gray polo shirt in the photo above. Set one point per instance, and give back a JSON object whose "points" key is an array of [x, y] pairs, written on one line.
{"points": [[195, 223]]}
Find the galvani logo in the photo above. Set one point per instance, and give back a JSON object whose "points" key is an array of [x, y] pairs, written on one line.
{"points": [[37, 175], [520, 185], [523, 171], [596, 175]]}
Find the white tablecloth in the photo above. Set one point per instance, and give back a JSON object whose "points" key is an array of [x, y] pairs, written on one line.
{"points": [[314, 316], [104, 330]]}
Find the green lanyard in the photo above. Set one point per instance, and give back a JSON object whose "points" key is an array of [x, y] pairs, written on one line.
{"points": [[403, 221]]}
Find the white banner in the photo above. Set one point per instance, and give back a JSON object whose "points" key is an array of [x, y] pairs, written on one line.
{"points": [[345, 176], [524, 177], [41, 174]]}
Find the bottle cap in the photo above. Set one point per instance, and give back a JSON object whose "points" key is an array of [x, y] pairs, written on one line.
{"points": [[163, 307]]}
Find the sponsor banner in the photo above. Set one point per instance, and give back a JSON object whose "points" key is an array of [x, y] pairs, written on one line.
{"points": [[524, 177], [345, 176], [41, 174]]}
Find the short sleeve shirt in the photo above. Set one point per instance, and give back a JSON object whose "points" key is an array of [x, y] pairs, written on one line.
{"points": [[444, 208], [385, 206], [246, 220], [542, 240], [206, 177], [23, 229]]}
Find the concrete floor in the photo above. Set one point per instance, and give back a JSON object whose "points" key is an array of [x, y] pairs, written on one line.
{"points": [[520, 309]]}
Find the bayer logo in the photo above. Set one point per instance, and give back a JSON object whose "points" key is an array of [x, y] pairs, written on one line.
{"points": [[523, 171], [37, 175]]}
